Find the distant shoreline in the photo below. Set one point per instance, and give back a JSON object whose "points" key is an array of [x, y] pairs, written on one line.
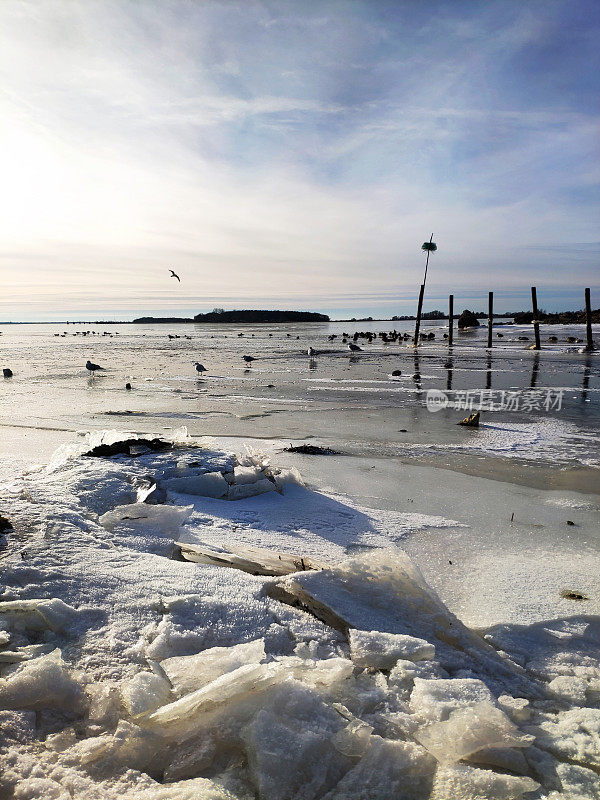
{"points": [[519, 318]]}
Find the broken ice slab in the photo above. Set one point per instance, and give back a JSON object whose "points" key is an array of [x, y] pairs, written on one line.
{"points": [[129, 747], [184, 717], [167, 519], [384, 591], [470, 783], [290, 746], [249, 474], [43, 682], [389, 769], [12, 656], [145, 692], [382, 650], [435, 700], [38, 615], [255, 560], [468, 730], [188, 673], [244, 490], [211, 484]]}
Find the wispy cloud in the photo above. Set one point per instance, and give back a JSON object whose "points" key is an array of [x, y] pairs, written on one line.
{"points": [[292, 150]]}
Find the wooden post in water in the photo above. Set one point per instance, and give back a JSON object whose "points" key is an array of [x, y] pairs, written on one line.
{"points": [[490, 317], [536, 321], [419, 309], [450, 319], [588, 321]]}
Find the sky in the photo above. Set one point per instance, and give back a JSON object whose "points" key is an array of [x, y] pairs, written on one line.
{"points": [[296, 154]]}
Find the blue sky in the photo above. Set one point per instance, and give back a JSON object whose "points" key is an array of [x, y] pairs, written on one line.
{"points": [[296, 155]]}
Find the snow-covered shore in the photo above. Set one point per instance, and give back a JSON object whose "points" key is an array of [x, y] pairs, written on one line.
{"points": [[128, 673]]}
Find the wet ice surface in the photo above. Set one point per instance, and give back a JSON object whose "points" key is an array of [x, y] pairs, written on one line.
{"points": [[128, 674], [350, 399]]}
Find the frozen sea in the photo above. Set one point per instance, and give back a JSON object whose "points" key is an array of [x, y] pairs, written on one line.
{"points": [[448, 644]]}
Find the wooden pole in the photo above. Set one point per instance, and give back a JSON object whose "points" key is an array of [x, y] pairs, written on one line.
{"points": [[588, 321], [450, 319], [419, 309], [536, 321], [490, 317]]}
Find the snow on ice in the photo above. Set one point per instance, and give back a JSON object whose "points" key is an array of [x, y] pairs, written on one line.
{"points": [[128, 673]]}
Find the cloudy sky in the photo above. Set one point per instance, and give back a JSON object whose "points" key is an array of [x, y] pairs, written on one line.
{"points": [[296, 155]]}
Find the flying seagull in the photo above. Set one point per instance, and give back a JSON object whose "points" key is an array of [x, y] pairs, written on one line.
{"points": [[92, 367], [353, 347], [200, 368], [174, 275], [248, 359]]}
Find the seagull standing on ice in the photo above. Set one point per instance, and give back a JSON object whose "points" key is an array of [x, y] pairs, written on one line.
{"points": [[174, 275], [248, 359], [353, 347], [92, 367], [200, 368], [311, 352]]}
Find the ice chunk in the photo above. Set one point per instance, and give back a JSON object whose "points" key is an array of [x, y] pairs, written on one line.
{"points": [[167, 519], [180, 719], [129, 747], [353, 740], [290, 749], [43, 682], [384, 591], [13, 656], [517, 708], [389, 769], [320, 675], [254, 560], [435, 700], [468, 730], [38, 615], [239, 492], [211, 484], [287, 477], [145, 692], [402, 676], [106, 704], [4, 638], [470, 783], [382, 650], [249, 474], [188, 673]]}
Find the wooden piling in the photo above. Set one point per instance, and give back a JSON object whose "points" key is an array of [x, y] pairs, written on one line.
{"points": [[419, 309], [588, 321], [450, 319], [536, 321], [490, 318]]}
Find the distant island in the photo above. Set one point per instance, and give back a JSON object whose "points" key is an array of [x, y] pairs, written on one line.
{"points": [[219, 315]]}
